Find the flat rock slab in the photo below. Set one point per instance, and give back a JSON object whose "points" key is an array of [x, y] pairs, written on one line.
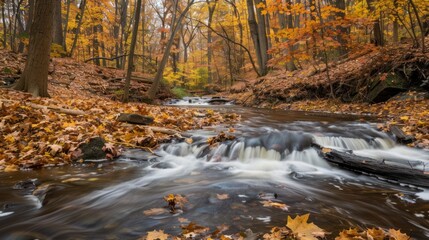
{"points": [[135, 118]]}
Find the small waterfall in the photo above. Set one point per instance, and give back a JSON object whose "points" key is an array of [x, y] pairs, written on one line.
{"points": [[258, 152], [353, 143]]}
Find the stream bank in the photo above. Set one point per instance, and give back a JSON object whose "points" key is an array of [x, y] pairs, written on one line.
{"points": [[389, 83]]}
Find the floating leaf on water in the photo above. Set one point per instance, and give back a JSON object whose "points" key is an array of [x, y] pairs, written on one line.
{"points": [[155, 211], [350, 234], [304, 230], [192, 230], [183, 220], [72, 180], [375, 233], [222, 196], [278, 205], [397, 235], [156, 235]]}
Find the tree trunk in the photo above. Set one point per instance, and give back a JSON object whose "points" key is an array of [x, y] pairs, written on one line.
{"points": [[4, 25], [263, 38], [66, 25], [143, 33], [58, 25], [378, 33], [132, 48], [211, 7], [160, 71], [34, 79], [342, 31], [80, 16], [253, 27]]}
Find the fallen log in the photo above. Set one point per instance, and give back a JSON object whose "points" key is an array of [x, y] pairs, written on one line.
{"points": [[134, 79], [218, 101], [51, 108], [392, 170], [400, 136]]}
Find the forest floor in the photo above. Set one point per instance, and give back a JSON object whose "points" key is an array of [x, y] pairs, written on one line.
{"points": [[308, 89], [38, 132]]}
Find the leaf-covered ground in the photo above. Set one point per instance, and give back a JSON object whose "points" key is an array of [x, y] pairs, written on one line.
{"points": [[34, 132]]}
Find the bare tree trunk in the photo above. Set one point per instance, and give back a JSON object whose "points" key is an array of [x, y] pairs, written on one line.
{"points": [[342, 31], [66, 25], [132, 48], [263, 38], [378, 33], [211, 7], [420, 25], [253, 27], [58, 37], [4, 25], [34, 79], [143, 34], [79, 25]]}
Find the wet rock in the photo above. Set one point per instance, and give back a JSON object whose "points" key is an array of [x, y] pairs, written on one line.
{"points": [[137, 155], [135, 118], [267, 196], [25, 236], [163, 165], [26, 184], [42, 191], [91, 150]]}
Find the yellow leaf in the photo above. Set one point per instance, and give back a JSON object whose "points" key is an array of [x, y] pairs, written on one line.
{"points": [[397, 235], [350, 234], [11, 168], [375, 234], [405, 118], [157, 235], [278, 205], [72, 180], [222, 196], [304, 230], [155, 211]]}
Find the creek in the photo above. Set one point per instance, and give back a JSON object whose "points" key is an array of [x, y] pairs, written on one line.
{"points": [[272, 158]]}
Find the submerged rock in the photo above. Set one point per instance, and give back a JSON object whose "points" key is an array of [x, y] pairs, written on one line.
{"points": [[26, 184]]}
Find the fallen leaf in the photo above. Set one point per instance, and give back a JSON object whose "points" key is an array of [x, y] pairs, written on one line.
{"points": [[72, 180], [304, 230], [156, 235], [11, 168], [222, 196], [397, 235], [183, 220], [351, 234], [278, 205], [155, 211], [375, 234]]}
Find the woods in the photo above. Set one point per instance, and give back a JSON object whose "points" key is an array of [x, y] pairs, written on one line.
{"points": [[191, 46]]}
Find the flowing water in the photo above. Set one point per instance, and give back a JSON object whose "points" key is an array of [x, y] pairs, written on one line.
{"points": [[273, 157]]}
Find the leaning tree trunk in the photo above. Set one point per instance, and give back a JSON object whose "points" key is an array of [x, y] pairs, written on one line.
{"points": [[76, 36], [34, 79], [132, 48], [160, 71]]}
